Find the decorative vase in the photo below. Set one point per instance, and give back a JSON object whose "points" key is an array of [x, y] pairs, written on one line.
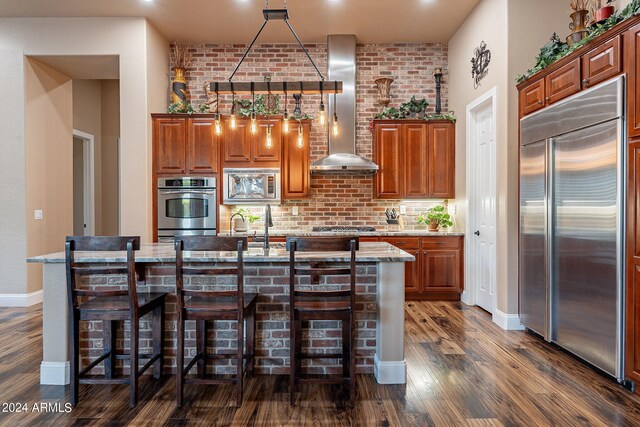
{"points": [[384, 88], [433, 225], [178, 86], [240, 225], [603, 13], [579, 20]]}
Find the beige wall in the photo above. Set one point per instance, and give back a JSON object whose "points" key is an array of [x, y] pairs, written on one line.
{"points": [[134, 41], [87, 118], [514, 31], [48, 166], [110, 97]]}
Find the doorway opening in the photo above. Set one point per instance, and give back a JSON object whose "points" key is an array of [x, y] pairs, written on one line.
{"points": [[482, 213], [84, 206]]}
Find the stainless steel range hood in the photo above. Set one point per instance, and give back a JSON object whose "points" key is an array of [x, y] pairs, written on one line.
{"points": [[341, 59]]}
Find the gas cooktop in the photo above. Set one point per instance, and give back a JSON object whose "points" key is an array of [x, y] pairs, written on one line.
{"points": [[343, 229]]}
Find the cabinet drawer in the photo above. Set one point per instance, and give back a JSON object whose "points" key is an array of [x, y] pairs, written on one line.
{"points": [[532, 97], [563, 82], [441, 242], [369, 239], [403, 242], [601, 63]]}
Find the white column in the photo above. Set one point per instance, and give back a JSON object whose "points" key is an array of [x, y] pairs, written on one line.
{"points": [[54, 369], [389, 364]]}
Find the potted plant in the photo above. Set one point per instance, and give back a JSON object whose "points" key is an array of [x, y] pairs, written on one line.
{"points": [[601, 10], [436, 217], [414, 107], [244, 218]]}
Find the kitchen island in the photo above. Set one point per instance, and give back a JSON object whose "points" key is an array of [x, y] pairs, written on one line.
{"points": [[379, 308]]}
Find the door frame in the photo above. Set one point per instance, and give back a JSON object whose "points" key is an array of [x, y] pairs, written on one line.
{"points": [[88, 181], [488, 98]]}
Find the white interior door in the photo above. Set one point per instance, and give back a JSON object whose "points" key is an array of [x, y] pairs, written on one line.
{"points": [[83, 184], [482, 209]]}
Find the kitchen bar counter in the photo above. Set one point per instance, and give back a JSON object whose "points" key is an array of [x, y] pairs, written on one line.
{"points": [[379, 307]]}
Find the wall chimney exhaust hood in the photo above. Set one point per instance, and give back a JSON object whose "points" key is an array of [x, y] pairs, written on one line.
{"points": [[341, 60]]}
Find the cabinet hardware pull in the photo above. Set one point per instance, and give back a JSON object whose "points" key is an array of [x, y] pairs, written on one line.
{"points": [[585, 81]]}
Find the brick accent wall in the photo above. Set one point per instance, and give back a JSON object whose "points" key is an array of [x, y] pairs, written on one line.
{"points": [[335, 199], [271, 282]]}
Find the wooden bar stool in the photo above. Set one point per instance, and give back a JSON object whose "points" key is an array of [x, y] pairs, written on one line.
{"points": [[203, 306], [110, 306], [308, 305]]}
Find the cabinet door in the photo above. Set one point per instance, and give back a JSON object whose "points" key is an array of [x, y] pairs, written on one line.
{"points": [[632, 300], [532, 98], [202, 147], [410, 245], [295, 164], [169, 139], [563, 82], [415, 160], [237, 144], [601, 63], [264, 156], [388, 152], [441, 271], [441, 161], [632, 68]]}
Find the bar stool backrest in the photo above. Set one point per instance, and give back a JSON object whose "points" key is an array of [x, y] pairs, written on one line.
{"points": [[316, 269], [213, 244], [130, 244]]}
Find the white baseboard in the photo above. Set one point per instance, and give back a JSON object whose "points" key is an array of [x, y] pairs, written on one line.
{"points": [[390, 372], [21, 300], [54, 373], [509, 322]]}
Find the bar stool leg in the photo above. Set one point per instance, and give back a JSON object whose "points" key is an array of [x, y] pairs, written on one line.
{"points": [[158, 344], [239, 362], [74, 346], [201, 346], [180, 361], [251, 336], [133, 363], [109, 345], [346, 336], [352, 357]]}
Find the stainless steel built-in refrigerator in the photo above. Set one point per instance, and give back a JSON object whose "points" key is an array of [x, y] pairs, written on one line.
{"points": [[572, 224]]}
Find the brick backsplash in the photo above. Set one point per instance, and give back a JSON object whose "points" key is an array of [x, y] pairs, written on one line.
{"points": [[335, 199]]}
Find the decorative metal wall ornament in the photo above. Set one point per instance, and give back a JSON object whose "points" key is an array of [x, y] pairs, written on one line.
{"points": [[480, 64], [384, 87], [438, 76]]}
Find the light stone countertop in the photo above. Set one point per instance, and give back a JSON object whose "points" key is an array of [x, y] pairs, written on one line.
{"points": [[377, 233], [165, 253]]}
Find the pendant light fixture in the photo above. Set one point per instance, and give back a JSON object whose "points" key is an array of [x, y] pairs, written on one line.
{"points": [[254, 121], [269, 141], [285, 117], [322, 114], [335, 129], [233, 120], [216, 117], [300, 143]]}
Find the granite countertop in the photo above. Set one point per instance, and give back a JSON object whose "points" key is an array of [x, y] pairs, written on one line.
{"points": [[377, 233], [164, 252]]}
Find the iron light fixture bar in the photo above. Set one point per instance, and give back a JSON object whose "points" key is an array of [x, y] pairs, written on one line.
{"points": [[265, 88]]}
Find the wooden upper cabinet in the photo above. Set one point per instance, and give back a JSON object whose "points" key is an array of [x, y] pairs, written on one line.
{"points": [[441, 155], [388, 154], [563, 82], [263, 156], [202, 147], [632, 68], [237, 144], [169, 142], [415, 160], [532, 98], [296, 164], [601, 63]]}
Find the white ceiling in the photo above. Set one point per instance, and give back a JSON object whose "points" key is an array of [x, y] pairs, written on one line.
{"points": [[237, 21]]}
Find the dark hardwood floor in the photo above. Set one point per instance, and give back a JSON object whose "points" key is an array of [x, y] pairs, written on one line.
{"points": [[462, 371]]}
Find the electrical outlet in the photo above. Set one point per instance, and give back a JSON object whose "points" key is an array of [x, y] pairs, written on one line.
{"points": [[294, 211], [38, 214], [453, 208], [403, 209]]}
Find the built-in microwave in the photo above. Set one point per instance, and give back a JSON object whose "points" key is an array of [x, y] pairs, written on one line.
{"points": [[251, 186]]}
